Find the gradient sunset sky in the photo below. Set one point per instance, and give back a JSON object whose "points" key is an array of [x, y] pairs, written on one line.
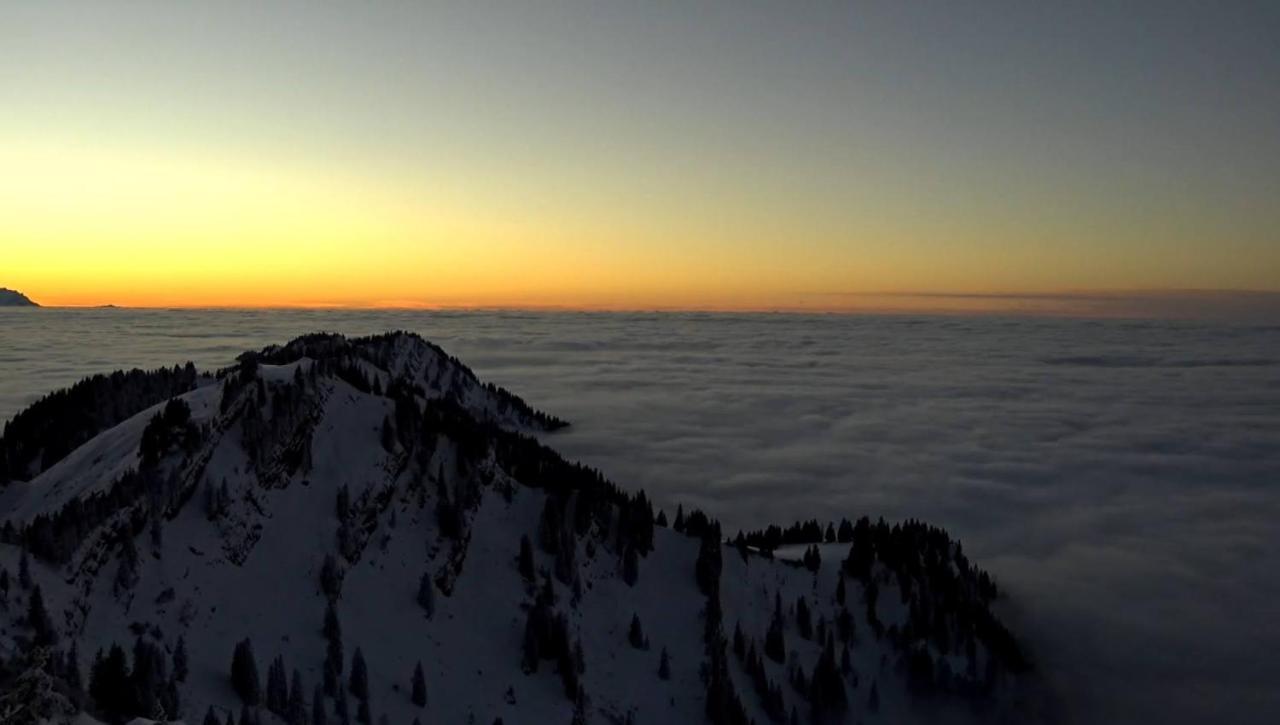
{"points": [[636, 154]]}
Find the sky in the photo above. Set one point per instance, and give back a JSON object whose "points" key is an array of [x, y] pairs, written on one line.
{"points": [[712, 155]]}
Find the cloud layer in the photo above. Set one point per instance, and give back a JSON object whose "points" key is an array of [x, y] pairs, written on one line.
{"points": [[1121, 479]]}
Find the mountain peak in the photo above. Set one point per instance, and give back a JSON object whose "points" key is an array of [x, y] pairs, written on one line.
{"points": [[14, 298], [367, 506]]}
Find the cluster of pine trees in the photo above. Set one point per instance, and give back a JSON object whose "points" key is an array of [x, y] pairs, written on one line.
{"points": [[801, 532], [54, 537], [948, 604], [147, 687], [275, 428], [547, 636], [382, 350], [171, 427], [60, 422], [285, 695]]}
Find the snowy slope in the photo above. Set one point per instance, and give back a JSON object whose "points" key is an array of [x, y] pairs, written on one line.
{"points": [[225, 535]]}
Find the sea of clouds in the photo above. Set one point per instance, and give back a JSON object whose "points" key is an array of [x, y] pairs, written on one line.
{"points": [[1120, 478]]}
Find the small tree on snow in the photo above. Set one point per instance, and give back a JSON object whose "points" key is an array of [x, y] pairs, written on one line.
{"points": [[630, 566], [38, 618], [330, 577], [359, 676], [24, 570], [635, 635], [343, 503], [419, 686], [297, 710], [180, 660], [388, 435], [318, 714], [526, 559], [427, 594], [244, 673], [332, 628]]}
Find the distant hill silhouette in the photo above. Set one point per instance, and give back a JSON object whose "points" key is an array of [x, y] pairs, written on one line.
{"points": [[14, 298]]}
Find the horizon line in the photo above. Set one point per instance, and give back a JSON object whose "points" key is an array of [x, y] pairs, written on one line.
{"points": [[1138, 304]]}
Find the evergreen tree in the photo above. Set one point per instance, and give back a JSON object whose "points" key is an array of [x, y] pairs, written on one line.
{"points": [[812, 559], [329, 679], [38, 618], [448, 514], [804, 621], [826, 689], [333, 655], [775, 647], [24, 570], [170, 700], [180, 660], [109, 684], [388, 435], [340, 706], [71, 669], [359, 683], [277, 687], [127, 573], [318, 714], [343, 504], [709, 563], [363, 715], [330, 577], [244, 673], [146, 677], [840, 592], [529, 651], [427, 594], [211, 718], [157, 534], [297, 710], [873, 701], [566, 564], [526, 559], [635, 635], [845, 534], [630, 566], [419, 696], [664, 666], [332, 628]]}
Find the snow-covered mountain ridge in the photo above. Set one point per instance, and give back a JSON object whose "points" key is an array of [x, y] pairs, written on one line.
{"points": [[375, 534]]}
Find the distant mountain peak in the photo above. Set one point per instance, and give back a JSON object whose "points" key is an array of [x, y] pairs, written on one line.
{"points": [[14, 298]]}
